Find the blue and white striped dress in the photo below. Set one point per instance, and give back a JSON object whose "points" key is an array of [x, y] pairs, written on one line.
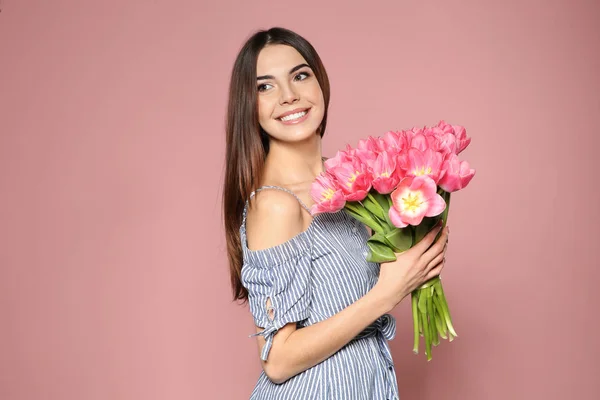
{"points": [[310, 278]]}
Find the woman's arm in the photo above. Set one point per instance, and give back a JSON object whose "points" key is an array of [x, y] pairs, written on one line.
{"points": [[295, 350], [276, 218]]}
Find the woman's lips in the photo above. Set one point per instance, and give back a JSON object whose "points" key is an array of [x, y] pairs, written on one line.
{"points": [[296, 120]]}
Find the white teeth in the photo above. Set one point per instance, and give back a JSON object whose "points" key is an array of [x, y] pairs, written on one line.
{"points": [[294, 116]]}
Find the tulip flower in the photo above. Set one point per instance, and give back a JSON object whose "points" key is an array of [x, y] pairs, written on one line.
{"points": [[394, 143], [375, 145], [353, 178], [428, 162], [399, 185], [460, 135], [415, 198], [366, 157], [327, 196], [385, 176], [457, 174], [462, 140], [341, 156], [419, 141]]}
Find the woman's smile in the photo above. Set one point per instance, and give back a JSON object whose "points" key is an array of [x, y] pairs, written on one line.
{"points": [[294, 117]]}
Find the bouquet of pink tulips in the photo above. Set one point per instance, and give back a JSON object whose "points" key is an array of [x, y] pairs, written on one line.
{"points": [[399, 185]]}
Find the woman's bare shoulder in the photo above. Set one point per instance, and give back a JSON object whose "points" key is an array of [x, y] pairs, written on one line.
{"points": [[274, 217]]}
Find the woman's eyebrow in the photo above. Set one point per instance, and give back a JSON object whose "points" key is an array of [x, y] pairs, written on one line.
{"points": [[296, 68]]}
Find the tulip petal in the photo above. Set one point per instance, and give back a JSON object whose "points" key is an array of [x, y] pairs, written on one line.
{"points": [[396, 218], [436, 205]]}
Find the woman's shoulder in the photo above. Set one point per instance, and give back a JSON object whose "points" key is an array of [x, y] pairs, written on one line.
{"points": [[273, 218]]}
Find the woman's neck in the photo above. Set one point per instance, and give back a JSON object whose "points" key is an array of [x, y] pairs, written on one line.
{"points": [[289, 164]]}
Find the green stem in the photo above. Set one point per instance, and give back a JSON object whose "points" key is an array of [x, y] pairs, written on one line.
{"points": [[415, 312], [426, 329], [420, 321], [444, 216], [448, 318], [382, 199], [439, 317], [371, 204], [430, 315], [363, 215]]}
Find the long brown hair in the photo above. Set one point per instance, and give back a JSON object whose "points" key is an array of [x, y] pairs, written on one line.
{"points": [[247, 144]]}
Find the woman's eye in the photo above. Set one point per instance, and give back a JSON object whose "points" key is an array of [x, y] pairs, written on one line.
{"points": [[263, 87], [301, 76]]}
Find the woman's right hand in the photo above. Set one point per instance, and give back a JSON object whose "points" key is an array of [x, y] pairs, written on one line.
{"points": [[412, 268]]}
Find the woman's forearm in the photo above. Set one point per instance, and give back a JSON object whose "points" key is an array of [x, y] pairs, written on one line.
{"points": [[304, 348]]}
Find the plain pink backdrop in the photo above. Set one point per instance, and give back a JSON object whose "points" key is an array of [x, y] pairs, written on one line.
{"points": [[113, 280]]}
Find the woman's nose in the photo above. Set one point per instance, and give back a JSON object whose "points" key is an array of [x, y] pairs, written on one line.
{"points": [[288, 95]]}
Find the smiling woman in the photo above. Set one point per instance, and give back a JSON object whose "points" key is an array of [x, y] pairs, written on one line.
{"points": [[320, 309], [290, 101]]}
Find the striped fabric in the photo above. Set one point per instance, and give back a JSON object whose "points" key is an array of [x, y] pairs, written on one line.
{"points": [[310, 278]]}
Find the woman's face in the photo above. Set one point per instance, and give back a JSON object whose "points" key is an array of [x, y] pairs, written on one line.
{"points": [[290, 100]]}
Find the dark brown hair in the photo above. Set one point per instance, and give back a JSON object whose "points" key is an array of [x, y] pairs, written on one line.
{"points": [[247, 144]]}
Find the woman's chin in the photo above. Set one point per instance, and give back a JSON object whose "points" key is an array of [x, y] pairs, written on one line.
{"points": [[295, 134]]}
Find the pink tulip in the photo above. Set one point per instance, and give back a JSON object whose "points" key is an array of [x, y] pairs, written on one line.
{"points": [[419, 141], [445, 143], [385, 176], [327, 196], [405, 137], [428, 162], [394, 142], [414, 199], [457, 174], [415, 130], [339, 158], [459, 132], [366, 158], [353, 178], [444, 127], [368, 144], [432, 131], [462, 140]]}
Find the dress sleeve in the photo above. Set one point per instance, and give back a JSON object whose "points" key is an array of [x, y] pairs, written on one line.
{"points": [[281, 274]]}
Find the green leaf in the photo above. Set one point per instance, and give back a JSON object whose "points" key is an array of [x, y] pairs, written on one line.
{"points": [[424, 227], [379, 252], [373, 206], [400, 238], [382, 199], [379, 237], [389, 200], [444, 215], [363, 215]]}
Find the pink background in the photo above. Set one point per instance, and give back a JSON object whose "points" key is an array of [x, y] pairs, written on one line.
{"points": [[113, 281]]}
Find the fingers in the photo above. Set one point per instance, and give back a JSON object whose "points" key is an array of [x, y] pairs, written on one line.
{"points": [[435, 271], [436, 260], [438, 247], [428, 239]]}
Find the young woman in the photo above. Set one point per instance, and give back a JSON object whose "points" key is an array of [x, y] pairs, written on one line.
{"points": [[320, 309]]}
